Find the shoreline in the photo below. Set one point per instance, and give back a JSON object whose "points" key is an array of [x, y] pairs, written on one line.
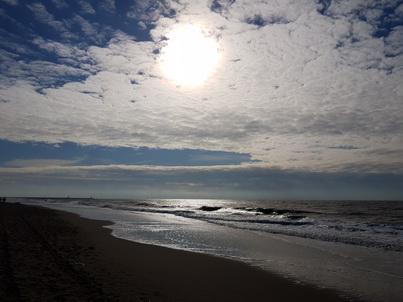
{"points": [[57, 255]]}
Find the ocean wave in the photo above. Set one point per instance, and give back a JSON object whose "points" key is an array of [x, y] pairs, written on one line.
{"points": [[319, 223], [209, 208]]}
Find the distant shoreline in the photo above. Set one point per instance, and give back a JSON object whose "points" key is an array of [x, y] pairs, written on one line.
{"points": [[173, 198]]}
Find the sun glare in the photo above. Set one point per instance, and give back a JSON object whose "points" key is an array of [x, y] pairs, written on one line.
{"points": [[189, 57]]}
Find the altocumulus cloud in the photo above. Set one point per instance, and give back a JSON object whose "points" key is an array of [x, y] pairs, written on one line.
{"points": [[306, 86]]}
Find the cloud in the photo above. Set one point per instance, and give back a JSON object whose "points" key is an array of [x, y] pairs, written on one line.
{"points": [[108, 5], [297, 81], [219, 6], [11, 2], [150, 11], [67, 54], [86, 7], [60, 4], [42, 74], [142, 25], [19, 163], [43, 16], [91, 30]]}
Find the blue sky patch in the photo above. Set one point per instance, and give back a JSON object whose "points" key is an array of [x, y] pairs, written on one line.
{"points": [[13, 152]]}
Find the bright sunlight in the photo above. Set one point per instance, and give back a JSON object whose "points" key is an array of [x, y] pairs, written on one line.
{"points": [[189, 57]]}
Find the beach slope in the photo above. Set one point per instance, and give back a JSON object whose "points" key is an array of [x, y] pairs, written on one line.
{"points": [[49, 255]]}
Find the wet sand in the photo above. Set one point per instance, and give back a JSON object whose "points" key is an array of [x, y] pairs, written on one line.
{"points": [[49, 255]]}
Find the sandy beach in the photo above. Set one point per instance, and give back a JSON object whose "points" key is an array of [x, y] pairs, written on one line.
{"points": [[49, 255]]}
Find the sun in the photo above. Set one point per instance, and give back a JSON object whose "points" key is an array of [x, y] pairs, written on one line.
{"points": [[189, 57]]}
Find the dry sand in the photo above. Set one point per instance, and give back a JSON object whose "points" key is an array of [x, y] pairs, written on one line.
{"points": [[49, 255]]}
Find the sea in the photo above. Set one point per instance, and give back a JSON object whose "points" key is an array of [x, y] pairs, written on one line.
{"points": [[354, 247]]}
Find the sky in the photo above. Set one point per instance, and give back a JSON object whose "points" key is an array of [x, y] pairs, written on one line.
{"points": [[286, 99]]}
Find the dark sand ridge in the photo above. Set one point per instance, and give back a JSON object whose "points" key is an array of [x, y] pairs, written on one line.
{"points": [[49, 255]]}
